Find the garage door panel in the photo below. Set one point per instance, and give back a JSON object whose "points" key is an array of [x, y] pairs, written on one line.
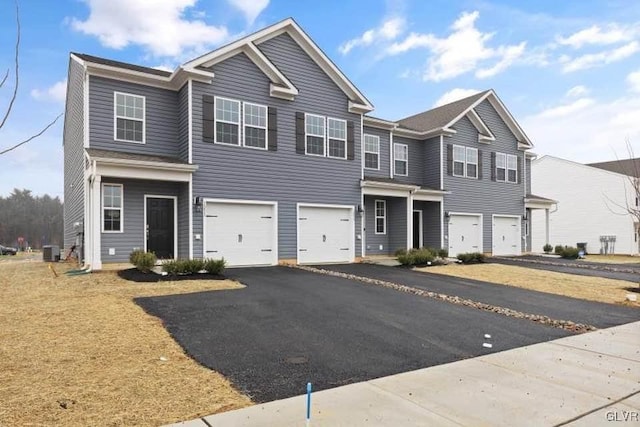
{"points": [[325, 234], [506, 235], [465, 232]]}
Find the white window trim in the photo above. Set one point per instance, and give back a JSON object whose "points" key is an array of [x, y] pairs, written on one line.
{"points": [[402, 160], [324, 136], [506, 176], [376, 216], [216, 120], [337, 139], [116, 117], [364, 148], [467, 162], [266, 126], [121, 208], [502, 155]]}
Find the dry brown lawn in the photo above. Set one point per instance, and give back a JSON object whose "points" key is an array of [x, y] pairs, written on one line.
{"points": [[613, 259], [82, 343], [584, 287]]}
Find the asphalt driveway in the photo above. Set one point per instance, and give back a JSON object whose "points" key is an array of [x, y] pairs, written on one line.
{"points": [[555, 306], [288, 327]]}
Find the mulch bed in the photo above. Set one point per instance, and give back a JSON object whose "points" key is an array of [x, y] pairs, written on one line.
{"points": [[135, 275]]}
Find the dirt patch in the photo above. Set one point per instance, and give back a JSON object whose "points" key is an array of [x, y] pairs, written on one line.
{"points": [[76, 350], [135, 275], [584, 287]]}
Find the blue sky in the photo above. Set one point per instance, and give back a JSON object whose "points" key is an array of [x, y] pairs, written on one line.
{"points": [[569, 71]]}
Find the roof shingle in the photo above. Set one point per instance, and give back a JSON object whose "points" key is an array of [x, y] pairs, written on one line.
{"points": [[118, 64]]}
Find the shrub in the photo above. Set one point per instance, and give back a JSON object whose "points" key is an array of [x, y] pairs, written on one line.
{"points": [[133, 256], [443, 253], [471, 257], [416, 257], [144, 261], [547, 248], [569, 252], [183, 266], [171, 266], [400, 252], [558, 249], [214, 266]]}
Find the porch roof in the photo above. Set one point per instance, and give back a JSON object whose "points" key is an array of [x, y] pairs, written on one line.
{"points": [[394, 188], [532, 201]]}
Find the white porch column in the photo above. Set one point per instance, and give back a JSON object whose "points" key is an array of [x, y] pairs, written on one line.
{"points": [[96, 223], [409, 221], [86, 223], [546, 226]]}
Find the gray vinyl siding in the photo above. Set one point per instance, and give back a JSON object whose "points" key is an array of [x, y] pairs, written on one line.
{"points": [[183, 123], [430, 223], [383, 172], [73, 140], [431, 163], [183, 220], [283, 176], [397, 223], [416, 160], [133, 234], [527, 171], [376, 244], [483, 196], [161, 118]]}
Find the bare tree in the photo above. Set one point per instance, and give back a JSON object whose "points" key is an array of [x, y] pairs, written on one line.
{"points": [[14, 95], [630, 168]]}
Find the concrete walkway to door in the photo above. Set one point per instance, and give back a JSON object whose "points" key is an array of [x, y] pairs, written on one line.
{"points": [[582, 380]]}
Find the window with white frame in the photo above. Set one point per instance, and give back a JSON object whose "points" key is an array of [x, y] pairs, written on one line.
{"points": [[371, 152], [112, 207], [501, 167], [459, 158], [401, 159], [129, 117], [255, 125], [381, 216], [314, 134], [227, 121], [512, 168], [472, 162], [337, 138]]}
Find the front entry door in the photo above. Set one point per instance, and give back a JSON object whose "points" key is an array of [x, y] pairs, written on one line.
{"points": [[417, 229], [160, 227]]}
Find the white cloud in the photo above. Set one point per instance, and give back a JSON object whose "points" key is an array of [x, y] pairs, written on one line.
{"points": [[250, 8], [593, 132], [577, 91], [598, 59], [454, 95], [390, 29], [460, 52], [160, 26], [56, 92], [595, 35], [633, 79]]}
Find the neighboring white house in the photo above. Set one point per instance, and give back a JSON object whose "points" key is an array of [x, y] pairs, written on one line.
{"points": [[591, 206]]}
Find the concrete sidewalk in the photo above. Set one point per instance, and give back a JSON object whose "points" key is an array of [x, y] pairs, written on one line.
{"points": [[583, 380]]}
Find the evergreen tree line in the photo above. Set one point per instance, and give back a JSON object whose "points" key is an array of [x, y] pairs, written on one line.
{"points": [[37, 219]]}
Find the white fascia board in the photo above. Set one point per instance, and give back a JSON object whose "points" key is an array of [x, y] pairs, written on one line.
{"points": [[373, 122], [173, 82], [145, 164], [484, 133], [392, 185], [413, 134]]}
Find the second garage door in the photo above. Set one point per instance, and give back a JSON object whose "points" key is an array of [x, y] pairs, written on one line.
{"points": [[465, 234], [241, 233], [506, 235], [325, 234]]}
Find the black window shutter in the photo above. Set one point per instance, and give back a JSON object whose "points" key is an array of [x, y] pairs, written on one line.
{"points": [[351, 144], [272, 125], [449, 159], [493, 166], [208, 124], [479, 164], [300, 143], [519, 171]]}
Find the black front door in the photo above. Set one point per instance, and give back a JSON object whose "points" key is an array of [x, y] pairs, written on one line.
{"points": [[160, 232], [416, 229]]}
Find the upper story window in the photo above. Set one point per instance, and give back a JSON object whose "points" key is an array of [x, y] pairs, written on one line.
{"points": [[506, 168], [255, 125], [381, 216], [112, 207], [465, 161], [227, 120], [337, 138], [314, 134], [401, 159], [371, 152], [129, 117]]}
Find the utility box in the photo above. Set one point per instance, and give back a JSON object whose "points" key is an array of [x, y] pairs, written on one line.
{"points": [[51, 253], [582, 246]]}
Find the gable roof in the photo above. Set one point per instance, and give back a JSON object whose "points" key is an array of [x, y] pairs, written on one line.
{"points": [[629, 167]]}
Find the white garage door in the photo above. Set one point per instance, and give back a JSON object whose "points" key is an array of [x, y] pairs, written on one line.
{"points": [[465, 234], [506, 235], [241, 233], [325, 234]]}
